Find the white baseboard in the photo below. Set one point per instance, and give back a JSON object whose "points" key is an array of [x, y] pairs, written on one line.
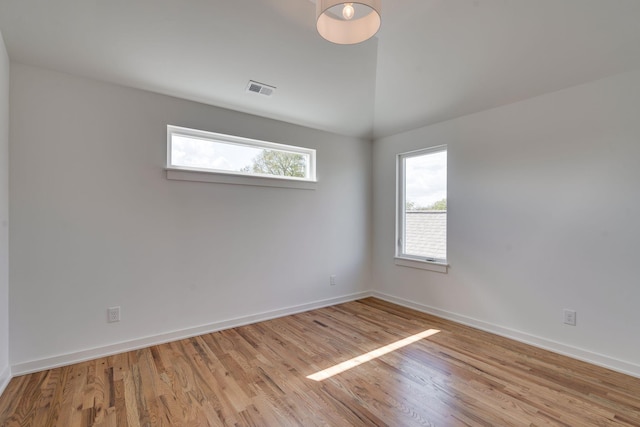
{"points": [[5, 377], [108, 350], [84, 355], [556, 347]]}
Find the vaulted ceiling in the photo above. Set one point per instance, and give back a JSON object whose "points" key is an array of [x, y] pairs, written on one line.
{"points": [[432, 60]]}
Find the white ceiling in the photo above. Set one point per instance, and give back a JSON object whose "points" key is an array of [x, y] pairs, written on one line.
{"points": [[432, 60]]}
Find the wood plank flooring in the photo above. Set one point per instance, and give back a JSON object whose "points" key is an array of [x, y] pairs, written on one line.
{"points": [[256, 375]]}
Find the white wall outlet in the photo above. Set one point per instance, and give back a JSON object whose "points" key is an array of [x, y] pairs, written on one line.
{"points": [[332, 280], [569, 317], [113, 314]]}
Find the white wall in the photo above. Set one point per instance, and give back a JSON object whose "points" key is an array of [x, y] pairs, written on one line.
{"points": [[4, 215], [95, 223], [544, 214], [543, 208]]}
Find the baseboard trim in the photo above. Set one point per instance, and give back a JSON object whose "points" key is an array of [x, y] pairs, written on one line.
{"points": [[617, 365], [5, 377], [136, 344]]}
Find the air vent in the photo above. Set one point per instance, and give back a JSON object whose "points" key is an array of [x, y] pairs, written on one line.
{"points": [[260, 88]]}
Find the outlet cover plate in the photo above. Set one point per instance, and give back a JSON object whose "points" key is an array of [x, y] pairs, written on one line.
{"points": [[569, 317], [113, 314]]}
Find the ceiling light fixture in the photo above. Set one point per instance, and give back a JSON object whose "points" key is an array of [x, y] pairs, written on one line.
{"points": [[347, 23]]}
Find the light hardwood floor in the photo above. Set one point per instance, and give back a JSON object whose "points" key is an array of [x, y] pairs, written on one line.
{"points": [[257, 375]]}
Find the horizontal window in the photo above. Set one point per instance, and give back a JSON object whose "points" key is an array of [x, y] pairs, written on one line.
{"points": [[201, 151]]}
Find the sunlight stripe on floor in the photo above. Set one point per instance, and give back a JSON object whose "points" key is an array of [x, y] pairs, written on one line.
{"points": [[363, 358]]}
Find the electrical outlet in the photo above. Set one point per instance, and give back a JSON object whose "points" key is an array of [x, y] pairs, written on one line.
{"points": [[569, 317], [113, 314], [332, 280]]}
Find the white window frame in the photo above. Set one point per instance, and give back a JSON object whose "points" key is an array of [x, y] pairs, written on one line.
{"points": [[186, 173], [401, 258]]}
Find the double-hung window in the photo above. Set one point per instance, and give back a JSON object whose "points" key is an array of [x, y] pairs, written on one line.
{"points": [[422, 206]]}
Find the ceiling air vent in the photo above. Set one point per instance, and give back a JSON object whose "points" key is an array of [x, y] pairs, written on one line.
{"points": [[260, 88]]}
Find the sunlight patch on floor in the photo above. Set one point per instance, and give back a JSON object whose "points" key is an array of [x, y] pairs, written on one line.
{"points": [[363, 358]]}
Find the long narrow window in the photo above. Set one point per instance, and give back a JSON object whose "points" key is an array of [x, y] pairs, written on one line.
{"points": [[422, 205], [200, 151]]}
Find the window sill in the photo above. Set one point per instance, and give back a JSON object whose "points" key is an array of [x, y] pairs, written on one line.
{"points": [[438, 267], [224, 178]]}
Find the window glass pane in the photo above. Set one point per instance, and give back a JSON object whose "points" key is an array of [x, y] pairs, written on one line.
{"points": [[200, 153], [199, 150], [425, 205]]}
